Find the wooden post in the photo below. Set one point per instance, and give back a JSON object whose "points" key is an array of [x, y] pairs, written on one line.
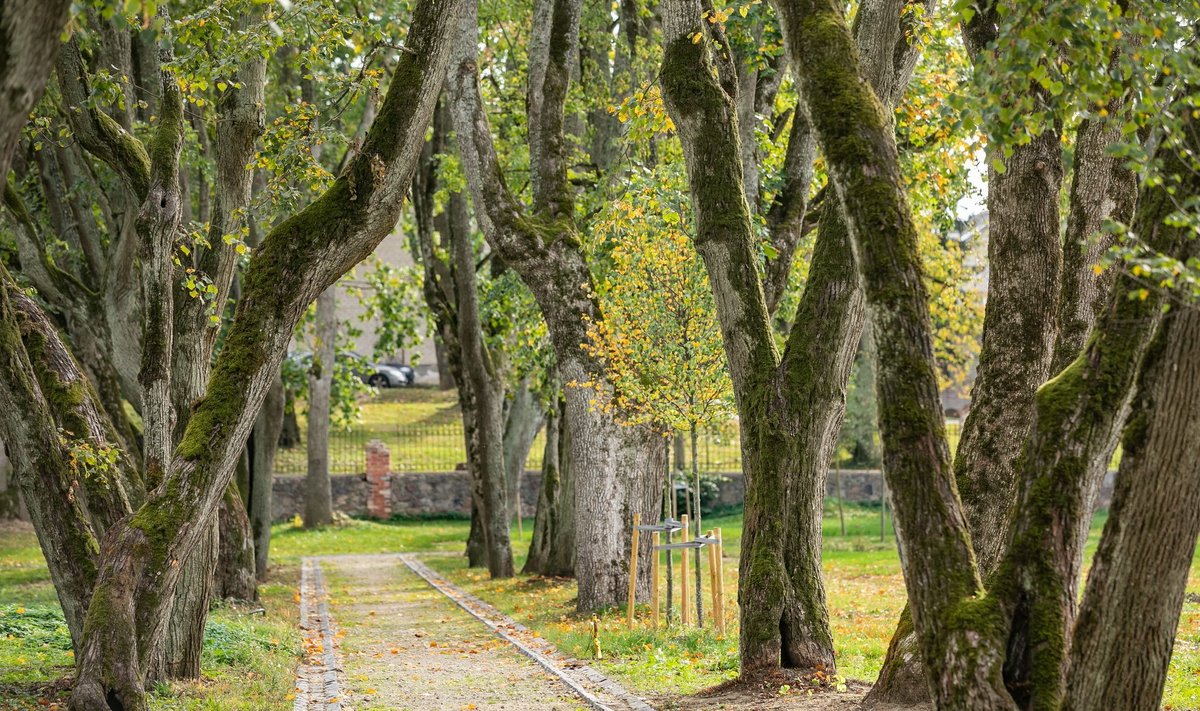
{"points": [[685, 607], [654, 578], [633, 556], [719, 606], [712, 579]]}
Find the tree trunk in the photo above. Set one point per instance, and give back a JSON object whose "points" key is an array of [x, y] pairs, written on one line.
{"points": [[235, 571], [318, 497], [552, 548], [43, 392], [30, 32], [489, 485], [263, 443], [1079, 415], [525, 419], [178, 654], [939, 568], [792, 406], [1134, 595]]}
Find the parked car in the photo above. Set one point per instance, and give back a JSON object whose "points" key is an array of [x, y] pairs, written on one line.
{"points": [[382, 375]]}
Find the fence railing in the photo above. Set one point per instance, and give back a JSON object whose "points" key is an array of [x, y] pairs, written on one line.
{"points": [[440, 448]]}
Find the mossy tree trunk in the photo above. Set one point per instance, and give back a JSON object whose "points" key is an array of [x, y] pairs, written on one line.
{"points": [[856, 138], [1079, 416], [542, 245], [301, 257], [1127, 623], [790, 406], [44, 391], [1041, 305]]}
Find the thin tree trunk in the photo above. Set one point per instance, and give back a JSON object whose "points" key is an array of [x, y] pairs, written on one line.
{"points": [[1134, 595], [235, 570], [552, 548], [524, 420], [489, 484], [264, 443], [318, 497]]}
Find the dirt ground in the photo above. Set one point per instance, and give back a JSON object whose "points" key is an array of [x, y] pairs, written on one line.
{"points": [[406, 647], [777, 693]]}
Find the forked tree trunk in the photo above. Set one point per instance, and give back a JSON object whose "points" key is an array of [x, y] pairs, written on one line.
{"points": [[318, 497], [791, 407], [1127, 623]]}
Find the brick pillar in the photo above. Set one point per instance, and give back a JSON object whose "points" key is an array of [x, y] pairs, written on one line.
{"points": [[379, 464]]}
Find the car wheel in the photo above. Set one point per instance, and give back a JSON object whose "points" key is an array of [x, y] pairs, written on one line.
{"points": [[378, 380]]}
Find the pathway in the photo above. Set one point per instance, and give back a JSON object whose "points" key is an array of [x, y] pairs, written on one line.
{"points": [[398, 642]]}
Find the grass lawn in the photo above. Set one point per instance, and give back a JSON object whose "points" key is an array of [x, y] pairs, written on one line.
{"points": [[249, 657]]}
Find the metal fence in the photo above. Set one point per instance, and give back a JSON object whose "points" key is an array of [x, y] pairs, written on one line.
{"points": [[427, 447]]}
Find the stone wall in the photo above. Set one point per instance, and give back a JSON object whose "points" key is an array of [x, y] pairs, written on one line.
{"points": [[449, 493], [415, 494]]}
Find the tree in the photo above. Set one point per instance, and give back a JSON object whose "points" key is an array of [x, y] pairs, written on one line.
{"points": [[615, 470], [658, 338], [791, 404], [136, 575]]}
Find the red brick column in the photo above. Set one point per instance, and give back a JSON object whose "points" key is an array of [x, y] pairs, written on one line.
{"points": [[379, 464]]}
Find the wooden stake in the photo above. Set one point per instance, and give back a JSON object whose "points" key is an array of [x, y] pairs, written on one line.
{"points": [[654, 579], [719, 606], [685, 608], [712, 580], [633, 556]]}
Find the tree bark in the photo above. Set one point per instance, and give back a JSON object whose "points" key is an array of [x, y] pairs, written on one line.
{"points": [[1079, 415], [30, 32], [301, 257], [43, 391], [1041, 305], [940, 574], [235, 568], [318, 497], [1134, 595]]}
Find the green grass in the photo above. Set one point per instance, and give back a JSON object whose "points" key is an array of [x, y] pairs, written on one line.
{"points": [[248, 661], [249, 658]]}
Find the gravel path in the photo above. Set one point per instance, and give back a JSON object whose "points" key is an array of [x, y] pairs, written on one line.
{"points": [[404, 646]]}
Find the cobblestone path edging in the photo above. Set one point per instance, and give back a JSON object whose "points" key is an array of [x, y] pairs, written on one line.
{"points": [[318, 687]]}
